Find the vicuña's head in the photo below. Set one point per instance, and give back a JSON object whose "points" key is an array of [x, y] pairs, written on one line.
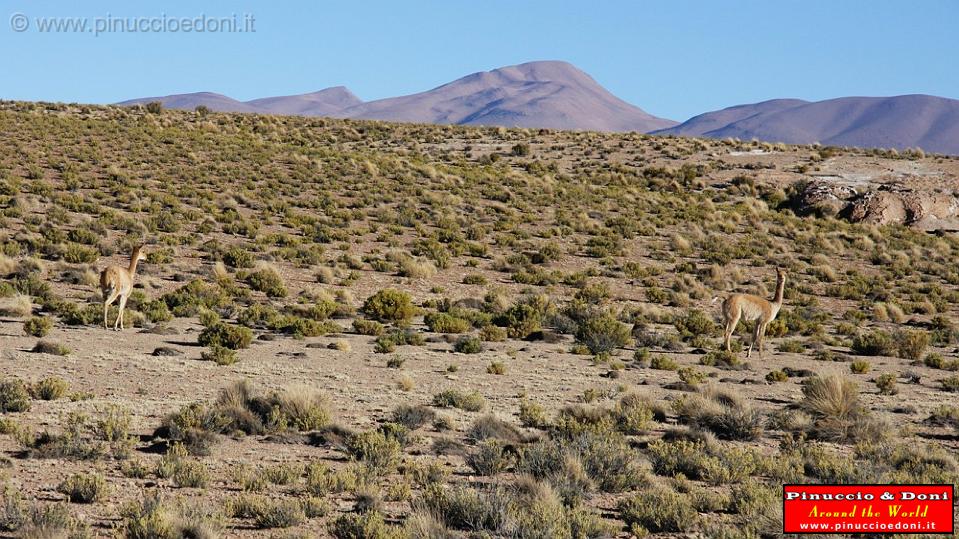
{"points": [[780, 274], [139, 253]]}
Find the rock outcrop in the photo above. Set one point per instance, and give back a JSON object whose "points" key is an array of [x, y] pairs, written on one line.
{"points": [[892, 203]]}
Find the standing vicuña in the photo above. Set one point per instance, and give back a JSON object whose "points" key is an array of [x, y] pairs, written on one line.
{"points": [[117, 282], [755, 308]]}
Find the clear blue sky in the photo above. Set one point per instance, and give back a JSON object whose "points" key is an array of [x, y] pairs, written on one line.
{"points": [[672, 58]]}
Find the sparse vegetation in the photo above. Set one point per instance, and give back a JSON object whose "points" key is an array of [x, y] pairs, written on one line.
{"points": [[84, 488], [390, 306], [576, 269], [453, 398]]}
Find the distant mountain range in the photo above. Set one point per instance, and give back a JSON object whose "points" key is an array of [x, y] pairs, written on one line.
{"points": [[906, 121], [554, 95], [557, 95]]}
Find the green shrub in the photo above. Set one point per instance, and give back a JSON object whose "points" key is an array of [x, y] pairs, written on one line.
{"points": [[376, 450], [474, 278], [532, 414], [492, 334], [696, 460], [497, 368], [364, 525], [950, 384], [602, 334], [663, 363], [936, 361], [860, 366], [191, 474], [777, 376], [471, 402], [188, 299], [659, 510], [84, 488], [694, 324], [279, 514], [446, 323], [520, 320], [50, 347], [886, 383], [208, 317], [14, 396], [220, 355], [38, 326], [633, 414], [385, 344], [468, 344], [155, 518], [268, 281], [303, 327], [390, 305], [489, 458], [156, 311], [227, 336], [792, 346], [368, 327], [873, 343], [721, 359], [50, 388], [75, 253], [238, 257], [911, 344]]}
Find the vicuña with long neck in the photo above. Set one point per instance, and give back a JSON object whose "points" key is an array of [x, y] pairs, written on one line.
{"points": [[117, 282], [751, 307]]}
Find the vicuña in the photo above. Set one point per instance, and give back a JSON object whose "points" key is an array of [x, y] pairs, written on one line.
{"points": [[117, 282], [751, 307]]}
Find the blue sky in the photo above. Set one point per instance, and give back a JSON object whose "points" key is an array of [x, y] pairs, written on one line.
{"points": [[674, 59]]}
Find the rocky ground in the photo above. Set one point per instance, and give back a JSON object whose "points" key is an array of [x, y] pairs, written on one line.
{"points": [[556, 371]]}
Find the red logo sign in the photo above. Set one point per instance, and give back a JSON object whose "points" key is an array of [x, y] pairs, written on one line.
{"points": [[868, 509]]}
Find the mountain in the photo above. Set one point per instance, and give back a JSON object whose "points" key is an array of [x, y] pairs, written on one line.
{"points": [[906, 121], [537, 94], [557, 95], [321, 103], [217, 102], [698, 126]]}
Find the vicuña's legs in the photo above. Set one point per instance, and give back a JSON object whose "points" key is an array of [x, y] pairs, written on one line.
{"points": [[123, 303], [106, 307], [730, 328], [762, 339], [755, 339]]}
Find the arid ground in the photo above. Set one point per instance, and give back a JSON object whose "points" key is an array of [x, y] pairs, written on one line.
{"points": [[360, 329]]}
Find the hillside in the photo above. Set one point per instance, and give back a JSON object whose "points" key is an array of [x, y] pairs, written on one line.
{"points": [[210, 100], [907, 121], [324, 102], [366, 329], [553, 95], [705, 124]]}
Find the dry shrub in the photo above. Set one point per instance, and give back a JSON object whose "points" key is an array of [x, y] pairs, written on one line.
{"points": [[723, 413], [833, 402], [17, 306]]}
